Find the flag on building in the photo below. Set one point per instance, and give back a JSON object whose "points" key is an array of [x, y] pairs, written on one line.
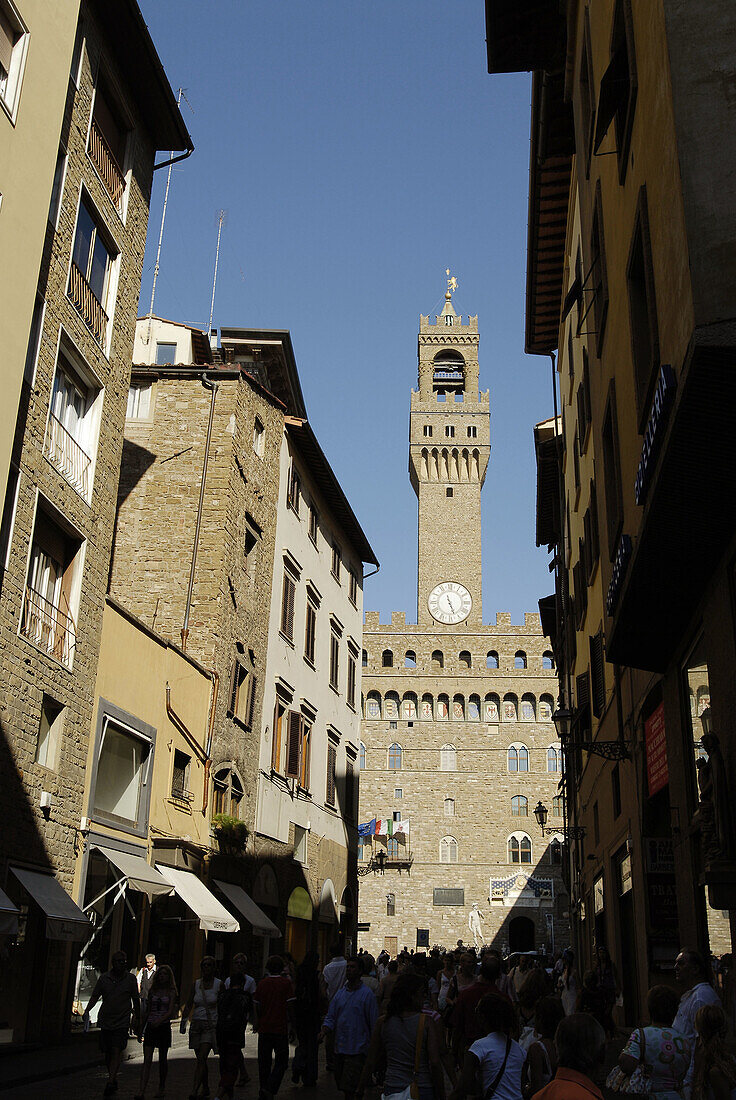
{"points": [[368, 829], [384, 826], [401, 828]]}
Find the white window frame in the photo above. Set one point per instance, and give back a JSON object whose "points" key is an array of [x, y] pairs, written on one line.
{"points": [[10, 98], [450, 845], [132, 410], [519, 836], [448, 758], [146, 766], [92, 417]]}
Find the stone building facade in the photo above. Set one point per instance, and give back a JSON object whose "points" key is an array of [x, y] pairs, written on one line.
{"points": [[60, 505], [458, 745]]}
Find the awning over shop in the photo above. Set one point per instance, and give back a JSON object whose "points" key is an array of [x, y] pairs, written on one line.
{"points": [[255, 917], [299, 904], [139, 874], [64, 919], [9, 914], [213, 917]]}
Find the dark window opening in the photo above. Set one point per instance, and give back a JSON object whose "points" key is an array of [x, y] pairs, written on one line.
{"points": [[642, 310], [612, 473]]}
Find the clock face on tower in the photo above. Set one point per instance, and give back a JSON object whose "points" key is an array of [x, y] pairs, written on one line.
{"points": [[449, 602]]}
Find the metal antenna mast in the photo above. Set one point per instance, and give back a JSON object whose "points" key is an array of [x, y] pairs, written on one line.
{"points": [[220, 220], [161, 231]]}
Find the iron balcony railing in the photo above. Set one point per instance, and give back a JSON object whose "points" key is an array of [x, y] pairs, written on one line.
{"points": [[84, 299], [48, 627], [63, 451], [181, 794], [104, 161]]}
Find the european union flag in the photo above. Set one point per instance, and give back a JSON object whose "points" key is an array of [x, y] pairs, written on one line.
{"points": [[368, 829]]}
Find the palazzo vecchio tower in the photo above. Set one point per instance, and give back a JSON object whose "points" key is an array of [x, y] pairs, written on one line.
{"points": [[457, 740]]}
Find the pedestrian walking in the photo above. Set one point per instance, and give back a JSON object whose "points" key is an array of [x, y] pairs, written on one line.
{"points": [[657, 1055], [144, 978], [467, 1025], [444, 978], [407, 1041], [161, 1006], [369, 976], [714, 1076], [493, 1065], [592, 999], [580, 1042], [307, 1016], [387, 984], [333, 974], [202, 1004], [541, 1055], [609, 987], [118, 991], [240, 966], [350, 1020], [568, 983], [274, 1005], [693, 977], [234, 1007]]}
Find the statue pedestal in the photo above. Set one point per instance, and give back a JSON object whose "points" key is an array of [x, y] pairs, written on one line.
{"points": [[720, 878]]}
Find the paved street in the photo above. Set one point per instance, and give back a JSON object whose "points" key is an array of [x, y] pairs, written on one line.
{"points": [[88, 1084]]}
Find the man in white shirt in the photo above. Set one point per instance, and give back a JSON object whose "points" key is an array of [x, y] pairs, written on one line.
{"points": [[334, 972], [691, 974]]}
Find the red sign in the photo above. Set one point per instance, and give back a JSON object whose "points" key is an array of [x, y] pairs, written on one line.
{"points": [[658, 774]]}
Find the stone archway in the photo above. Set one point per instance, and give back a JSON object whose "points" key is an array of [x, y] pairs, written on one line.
{"points": [[522, 934]]}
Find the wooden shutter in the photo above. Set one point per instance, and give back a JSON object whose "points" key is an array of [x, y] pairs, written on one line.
{"points": [[251, 706], [234, 689], [306, 757], [331, 770], [582, 693], [278, 718], [287, 607], [349, 790], [293, 745], [597, 674]]}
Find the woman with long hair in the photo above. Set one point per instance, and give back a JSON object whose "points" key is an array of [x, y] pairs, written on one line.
{"points": [[202, 1004], [714, 1074], [161, 1006], [408, 1041], [493, 1065], [568, 984]]}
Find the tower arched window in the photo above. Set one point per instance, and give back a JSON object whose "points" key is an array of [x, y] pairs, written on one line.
{"points": [[448, 374], [364, 659], [519, 806], [449, 807], [394, 757], [427, 710], [373, 705], [227, 792], [510, 709], [438, 660], [391, 705], [474, 708], [410, 659], [548, 659], [520, 659], [557, 806], [448, 850], [465, 659], [491, 708], [387, 659], [519, 848], [443, 707], [458, 708], [448, 758], [546, 705], [553, 759], [361, 758], [492, 659], [555, 851]]}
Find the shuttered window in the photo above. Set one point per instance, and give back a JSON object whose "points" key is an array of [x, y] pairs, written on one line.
{"points": [[352, 667], [310, 632], [331, 774], [597, 674], [349, 790], [293, 744], [287, 606], [334, 660], [306, 754], [278, 722], [582, 692]]}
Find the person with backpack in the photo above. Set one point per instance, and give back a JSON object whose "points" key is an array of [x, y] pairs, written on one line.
{"points": [[234, 1007], [493, 1065]]}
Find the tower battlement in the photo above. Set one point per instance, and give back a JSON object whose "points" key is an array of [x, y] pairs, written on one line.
{"points": [[503, 624], [427, 325]]}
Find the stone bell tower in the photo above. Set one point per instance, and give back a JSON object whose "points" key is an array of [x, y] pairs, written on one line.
{"points": [[449, 447]]}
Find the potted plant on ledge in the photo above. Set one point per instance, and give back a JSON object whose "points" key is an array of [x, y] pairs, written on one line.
{"points": [[230, 833]]}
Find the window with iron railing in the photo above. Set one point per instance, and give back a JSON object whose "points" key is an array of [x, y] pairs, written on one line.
{"points": [[47, 615], [106, 148], [89, 276], [67, 443], [180, 777]]}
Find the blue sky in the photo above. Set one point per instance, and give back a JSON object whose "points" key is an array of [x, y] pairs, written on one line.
{"points": [[358, 150]]}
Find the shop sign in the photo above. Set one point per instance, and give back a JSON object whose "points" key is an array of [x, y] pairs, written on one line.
{"points": [[661, 402], [660, 855], [624, 874], [598, 895], [422, 937], [658, 775], [448, 895], [620, 564]]}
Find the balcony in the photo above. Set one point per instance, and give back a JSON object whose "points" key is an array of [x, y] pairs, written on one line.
{"points": [[63, 452], [104, 161], [88, 305], [48, 627]]}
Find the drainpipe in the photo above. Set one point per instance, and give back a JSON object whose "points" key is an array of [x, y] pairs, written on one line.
{"points": [[210, 733], [213, 387]]}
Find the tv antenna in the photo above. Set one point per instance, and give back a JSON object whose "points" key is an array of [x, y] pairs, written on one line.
{"points": [[220, 220]]}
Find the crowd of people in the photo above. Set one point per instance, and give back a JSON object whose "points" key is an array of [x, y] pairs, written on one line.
{"points": [[442, 1025]]}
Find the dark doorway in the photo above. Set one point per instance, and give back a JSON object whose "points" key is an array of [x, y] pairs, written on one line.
{"points": [[521, 934]]}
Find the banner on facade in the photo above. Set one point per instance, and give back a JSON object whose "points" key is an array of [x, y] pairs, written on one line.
{"points": [[658, 775]]}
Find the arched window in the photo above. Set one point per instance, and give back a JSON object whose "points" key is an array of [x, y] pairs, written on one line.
{"points": [[548, 660], [448, 850], [557, 806], [392, 848], [553, 759], [364, 659], [491, 708], [509, 707], [465, 659], [546, 703], [492, 659], [528, 708], [443, 707], [519, 806], [555, 851], [448, 758], [227, 792], [519, 848], [410, 659], [394, 757], [409, 707], [474, 708], [449, 807], [520, 659], [458, 708], [391, 705], [373, 705], [448, 376], [390, 905], [387, 659], [518, 758], [361, 758], [427, 708], [438, 660]]}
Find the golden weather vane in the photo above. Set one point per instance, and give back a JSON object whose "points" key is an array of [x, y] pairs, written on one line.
{"points": [[451, 283]]}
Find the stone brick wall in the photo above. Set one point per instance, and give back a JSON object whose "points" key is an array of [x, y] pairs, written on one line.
{"points": [[27, 671]]}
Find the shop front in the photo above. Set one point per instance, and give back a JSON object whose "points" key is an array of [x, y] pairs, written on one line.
{"points": [[299, 913], [262, 929]]}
